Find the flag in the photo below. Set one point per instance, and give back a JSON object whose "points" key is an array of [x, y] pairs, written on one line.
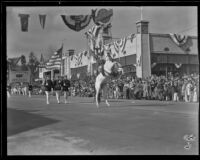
{"points": [[42, 19], [55, 60], [24, 22], [76, 22]]}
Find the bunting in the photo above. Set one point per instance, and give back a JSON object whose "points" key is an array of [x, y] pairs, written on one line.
{"points": [[78, 59], [179, 39], [85, 53], [76, 22], [102, 16], [42, 19], [95, 39], [131, 37], [153, 65], [178, 65], [55, 60], [71, 53], [119, 45], [24, 22]]}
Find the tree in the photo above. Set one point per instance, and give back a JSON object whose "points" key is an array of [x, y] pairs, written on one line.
{"points": [[33, 65], [23, 60]]}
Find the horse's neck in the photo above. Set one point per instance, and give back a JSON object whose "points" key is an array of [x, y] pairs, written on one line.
{"points": [[108, 66]]}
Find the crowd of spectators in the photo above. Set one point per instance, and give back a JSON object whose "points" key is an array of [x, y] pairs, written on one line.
{"points": [[171, 88]]}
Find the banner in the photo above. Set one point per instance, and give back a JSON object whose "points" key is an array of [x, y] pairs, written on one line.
{"points": [[42, 20], [24, 22], [19, 76], [76, 22]]}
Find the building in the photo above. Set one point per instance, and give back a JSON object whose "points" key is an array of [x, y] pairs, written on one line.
{"points": [[141, 54]]}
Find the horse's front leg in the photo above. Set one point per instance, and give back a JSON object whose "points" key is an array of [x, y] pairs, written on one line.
{"points": [[97, 87]]}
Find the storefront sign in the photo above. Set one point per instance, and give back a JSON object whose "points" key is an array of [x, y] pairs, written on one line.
{"points": [[129, 68], [19, 76]]}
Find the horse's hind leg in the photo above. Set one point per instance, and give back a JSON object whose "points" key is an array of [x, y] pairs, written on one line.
{"points": [[97, 96], [105, 93], [108, 104]]}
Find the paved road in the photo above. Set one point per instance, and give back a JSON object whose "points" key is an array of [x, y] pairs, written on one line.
{"points": [[79, 128]]}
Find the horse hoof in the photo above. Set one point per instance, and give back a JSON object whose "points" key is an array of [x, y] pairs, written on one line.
{"points": [[107, 104], [97, 105]]}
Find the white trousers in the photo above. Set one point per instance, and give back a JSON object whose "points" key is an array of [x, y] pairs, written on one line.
{"points": [[58, 96], [47, 96], [175, 98]]}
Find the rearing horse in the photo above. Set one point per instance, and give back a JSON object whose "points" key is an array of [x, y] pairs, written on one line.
{"points": [[110, 69]]}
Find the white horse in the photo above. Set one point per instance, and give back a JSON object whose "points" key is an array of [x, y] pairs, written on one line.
{"points": [[110, 69]]}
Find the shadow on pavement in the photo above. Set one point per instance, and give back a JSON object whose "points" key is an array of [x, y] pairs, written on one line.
{"points": [[19, 121]]}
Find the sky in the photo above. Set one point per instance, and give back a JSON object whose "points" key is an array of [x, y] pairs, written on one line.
{"points": [[167, 19]]}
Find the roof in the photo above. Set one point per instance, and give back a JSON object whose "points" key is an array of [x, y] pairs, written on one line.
{"points": [[163, 43], [14, 61]]}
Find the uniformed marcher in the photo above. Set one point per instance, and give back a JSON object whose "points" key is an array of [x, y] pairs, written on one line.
{"points": [[8, 90], [65, 88], [30, 89], [48, 85], [57, 83]]}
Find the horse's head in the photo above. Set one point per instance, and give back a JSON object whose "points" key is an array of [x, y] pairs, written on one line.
{"points": [[117, 68]]}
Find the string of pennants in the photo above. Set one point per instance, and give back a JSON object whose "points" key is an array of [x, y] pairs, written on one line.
{"points": [[74, 22]]}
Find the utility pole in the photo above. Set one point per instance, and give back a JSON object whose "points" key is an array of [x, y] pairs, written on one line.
{"points": [[141, 15]]}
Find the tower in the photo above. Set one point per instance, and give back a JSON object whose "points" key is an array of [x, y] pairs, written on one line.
{"points": [[143, 62]]}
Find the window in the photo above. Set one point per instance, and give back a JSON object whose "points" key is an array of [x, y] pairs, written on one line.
{"points": [[166, 49]]}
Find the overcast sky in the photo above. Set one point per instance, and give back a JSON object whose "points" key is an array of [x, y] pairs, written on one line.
{"points": [[177, 19]]}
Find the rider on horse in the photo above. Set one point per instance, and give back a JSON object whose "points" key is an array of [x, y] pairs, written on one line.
{"points": [[107, 66]]}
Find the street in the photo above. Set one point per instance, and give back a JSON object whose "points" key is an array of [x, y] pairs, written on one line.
{"points": [[127, 127]]}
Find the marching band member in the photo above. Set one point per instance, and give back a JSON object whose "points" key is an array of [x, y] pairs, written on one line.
{"points": [[47, 83], [57, 83], [65, 88], [30, 89]]}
